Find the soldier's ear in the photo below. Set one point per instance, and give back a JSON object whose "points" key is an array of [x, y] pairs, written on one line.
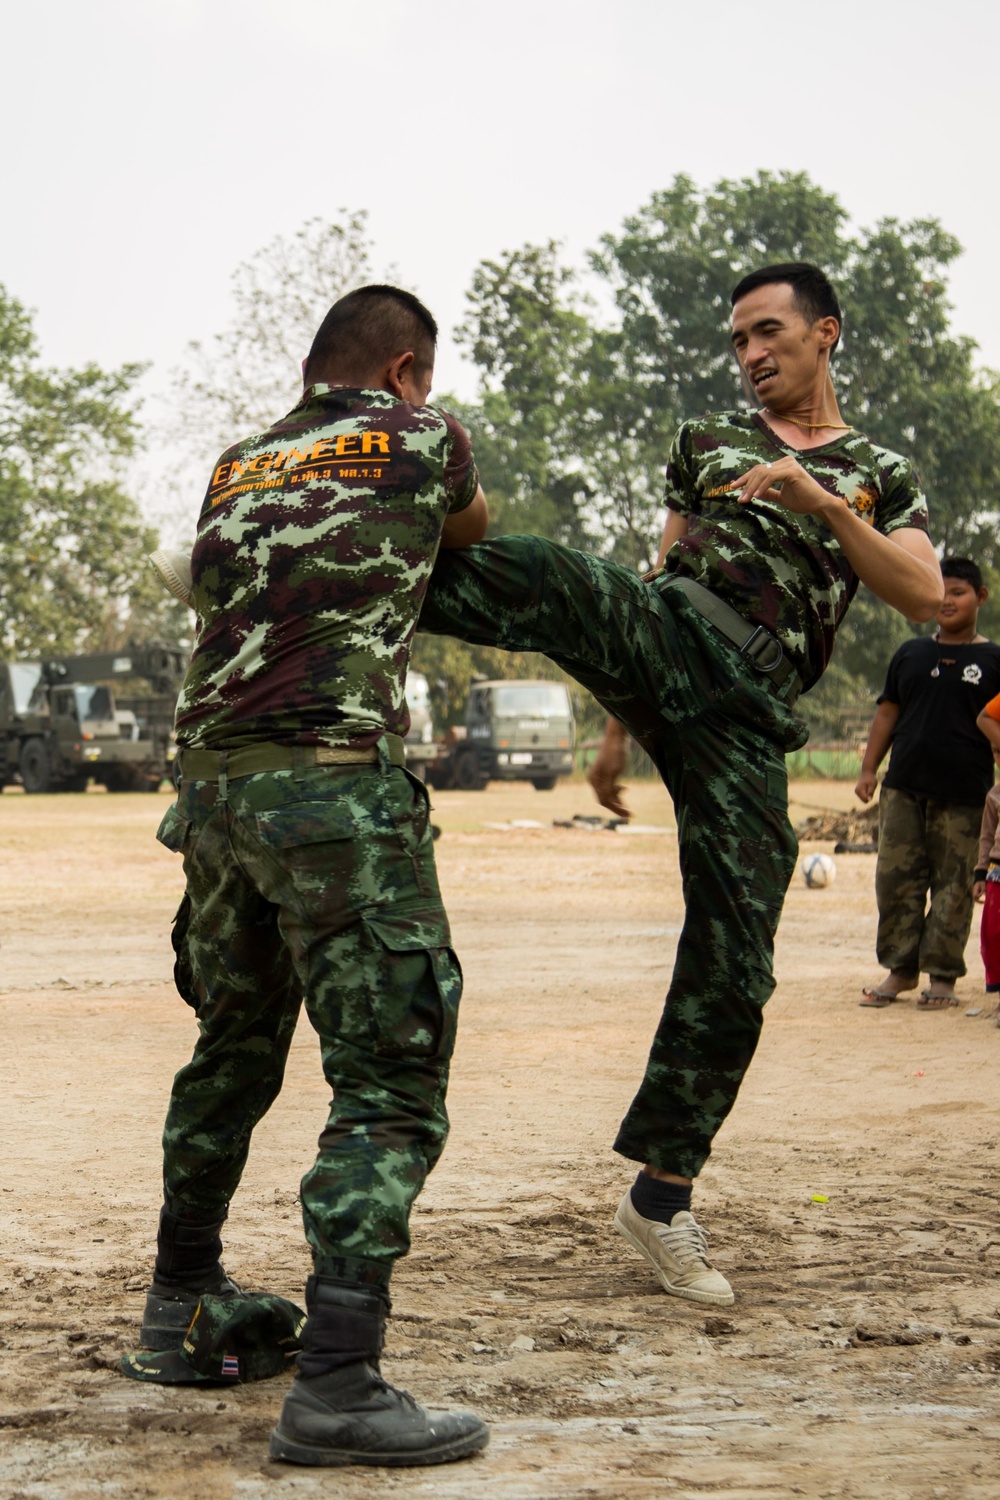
{"points": [[397, 372], [829, 332]]}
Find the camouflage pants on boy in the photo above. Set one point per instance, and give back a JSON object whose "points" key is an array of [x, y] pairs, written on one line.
{"points": [[717, 734], [319, 885], [924, 846]]}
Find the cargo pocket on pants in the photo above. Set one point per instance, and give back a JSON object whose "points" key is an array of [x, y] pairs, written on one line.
{"points": [[173, 830], [183, 972], [414, 988]]}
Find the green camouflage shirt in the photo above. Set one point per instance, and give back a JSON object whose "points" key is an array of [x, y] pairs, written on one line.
{"points": [[779, 569], [315, 544]]}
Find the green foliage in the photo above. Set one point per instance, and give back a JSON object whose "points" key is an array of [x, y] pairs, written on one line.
{"points": [[576, 413], [72, 542], [246, 377], [529, 338]]}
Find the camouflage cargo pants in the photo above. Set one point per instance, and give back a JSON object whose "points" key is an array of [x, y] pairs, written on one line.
{"points": [[717, 735], [924, 846], [315, 885]]}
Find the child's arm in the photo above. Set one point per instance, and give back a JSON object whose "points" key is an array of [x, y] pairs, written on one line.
{"points": [[988, 723], [879, 739], [987, 838]]}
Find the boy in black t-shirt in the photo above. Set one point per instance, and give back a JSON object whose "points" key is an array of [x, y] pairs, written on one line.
{"points": [[940, 771]]}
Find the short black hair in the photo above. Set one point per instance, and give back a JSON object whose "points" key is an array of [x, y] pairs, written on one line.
{"points": [[366, 329], [963, 568], [812, 292]]}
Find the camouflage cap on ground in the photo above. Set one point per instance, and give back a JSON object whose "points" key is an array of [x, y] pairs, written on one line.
{"points": [[231, 1339]]}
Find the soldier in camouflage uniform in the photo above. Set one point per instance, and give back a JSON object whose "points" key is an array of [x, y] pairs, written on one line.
{"points": [[773, 517], [309, 861]]}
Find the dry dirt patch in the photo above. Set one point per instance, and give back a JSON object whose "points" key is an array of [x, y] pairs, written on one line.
{"points": [[861, 1358]]}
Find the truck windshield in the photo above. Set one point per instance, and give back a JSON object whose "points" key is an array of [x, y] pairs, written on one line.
{"points": [[24, 677], [533, 700], [418, 694], [93, 703]]}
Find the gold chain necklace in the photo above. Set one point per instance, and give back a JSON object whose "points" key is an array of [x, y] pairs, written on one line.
{"points": [[810, 426]]}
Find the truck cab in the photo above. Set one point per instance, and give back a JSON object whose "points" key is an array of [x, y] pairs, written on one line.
{"points": [[514, 731]]}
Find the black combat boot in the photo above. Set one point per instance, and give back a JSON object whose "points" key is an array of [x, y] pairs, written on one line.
{"points": [[341, 1411], [188, 1264]]}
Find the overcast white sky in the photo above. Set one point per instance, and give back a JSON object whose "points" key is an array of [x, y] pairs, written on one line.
{"points": [[151, 145]]}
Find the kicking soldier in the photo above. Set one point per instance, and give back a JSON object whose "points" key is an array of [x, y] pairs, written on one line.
{"points": [[309, 861], [774, 516]]}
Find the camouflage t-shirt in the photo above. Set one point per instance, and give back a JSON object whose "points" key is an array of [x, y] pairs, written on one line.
{"points": [[315, 544], [778, 569]]}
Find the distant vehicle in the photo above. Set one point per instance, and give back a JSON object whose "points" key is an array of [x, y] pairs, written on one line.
{"points": [[514, 731], [419, 742], [60, 723]]}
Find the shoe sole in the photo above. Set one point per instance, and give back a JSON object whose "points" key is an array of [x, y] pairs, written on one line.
{"points": [[285, 1450], [707, 1299]]}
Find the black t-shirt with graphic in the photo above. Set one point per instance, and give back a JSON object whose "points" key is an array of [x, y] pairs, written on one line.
{"points": [[937, 751]]}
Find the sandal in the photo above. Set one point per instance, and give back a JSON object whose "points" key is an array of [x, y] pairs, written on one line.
{"points": [[930, 1000], [875, 998]]}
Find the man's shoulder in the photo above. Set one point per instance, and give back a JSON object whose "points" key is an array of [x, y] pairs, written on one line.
{"points": [[865, 449], [719, 421]]}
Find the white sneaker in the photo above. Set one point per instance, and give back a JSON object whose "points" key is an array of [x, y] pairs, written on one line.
{"points": [[678, 1251], [174, 571]]}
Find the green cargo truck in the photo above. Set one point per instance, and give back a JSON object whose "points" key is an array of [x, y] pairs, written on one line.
{"points": [[61, 724], [514, 731]]}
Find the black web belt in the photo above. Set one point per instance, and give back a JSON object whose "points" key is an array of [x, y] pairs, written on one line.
{"points": [[762, 650]]}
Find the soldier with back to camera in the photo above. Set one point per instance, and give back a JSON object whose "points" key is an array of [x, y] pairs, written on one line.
{"points": [[309, 863]]}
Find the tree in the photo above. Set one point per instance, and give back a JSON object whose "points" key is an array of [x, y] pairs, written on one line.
{"points": [[626, 383], [554, 451], [72, 542], [529, 337], [245, 377]]}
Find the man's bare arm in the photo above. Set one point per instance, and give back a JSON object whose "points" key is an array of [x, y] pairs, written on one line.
{"points": [[900, 568], [466, 526], [675, 528], [605, 773]]}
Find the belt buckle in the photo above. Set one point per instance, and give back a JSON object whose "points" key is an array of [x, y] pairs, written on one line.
{"points": [[763, 638]]}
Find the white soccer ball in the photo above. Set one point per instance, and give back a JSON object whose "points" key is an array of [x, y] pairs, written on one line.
{"points": [[818, 870]]}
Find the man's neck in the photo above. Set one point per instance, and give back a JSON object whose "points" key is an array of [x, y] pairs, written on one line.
{"points": [[810, 420]]}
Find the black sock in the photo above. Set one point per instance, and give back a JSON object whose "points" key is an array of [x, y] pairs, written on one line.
{"points": [[659, 1200]]}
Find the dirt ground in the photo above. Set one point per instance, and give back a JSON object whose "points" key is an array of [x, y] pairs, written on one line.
{"points": [[862, 1355]]}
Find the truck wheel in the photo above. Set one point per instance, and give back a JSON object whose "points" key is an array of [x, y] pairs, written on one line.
{"points": [[121, 779], [36, 773], [418, 769], [468, 777], [544, 783]]}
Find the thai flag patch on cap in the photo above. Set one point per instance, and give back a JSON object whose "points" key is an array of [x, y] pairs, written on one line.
{"points": [[230, 1367]]}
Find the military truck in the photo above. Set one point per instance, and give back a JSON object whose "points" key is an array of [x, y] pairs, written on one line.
{"points": [[60, 723], [514, 731]]}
